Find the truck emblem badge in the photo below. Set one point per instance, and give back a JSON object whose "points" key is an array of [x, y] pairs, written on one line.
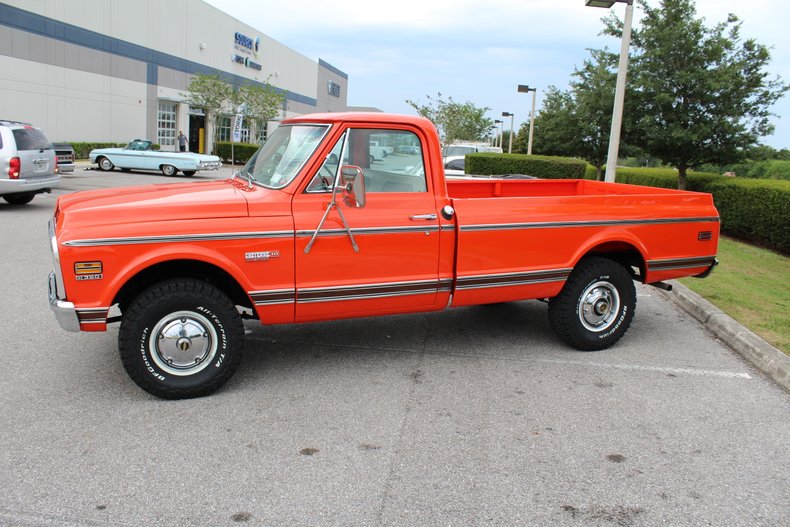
{"points": [[261, 256]]}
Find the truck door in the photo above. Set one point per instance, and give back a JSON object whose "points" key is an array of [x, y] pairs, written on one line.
{"points": [[395, 269]]}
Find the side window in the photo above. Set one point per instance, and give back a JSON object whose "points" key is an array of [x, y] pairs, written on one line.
{"points": [[325, 177], [391, 160]]}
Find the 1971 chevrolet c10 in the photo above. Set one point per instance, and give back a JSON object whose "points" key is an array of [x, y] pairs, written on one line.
{"points": [[311, 230]]}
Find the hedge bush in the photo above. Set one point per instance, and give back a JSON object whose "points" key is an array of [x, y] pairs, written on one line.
{"points": [[242, 152], [754, 210], [81, 150], [665, 178], [544, 167], [773, 169]]}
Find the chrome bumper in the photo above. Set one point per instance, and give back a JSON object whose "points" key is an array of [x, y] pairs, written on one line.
{"points": [[64, 311]]}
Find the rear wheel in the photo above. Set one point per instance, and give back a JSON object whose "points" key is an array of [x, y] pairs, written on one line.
{"points": [[169, 170], [180, 339], [105, 164], [18, 199], [596, 305]]}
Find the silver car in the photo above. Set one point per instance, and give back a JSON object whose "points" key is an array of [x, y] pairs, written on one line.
{"points": [[28, 165]]}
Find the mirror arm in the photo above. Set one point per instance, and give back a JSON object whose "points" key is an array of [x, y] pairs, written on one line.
{"points": [[332, 204]]}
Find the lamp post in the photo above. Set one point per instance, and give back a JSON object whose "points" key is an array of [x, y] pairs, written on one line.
{"points": [[497, 122], [510, 145], [619, 91], [526, 89]]}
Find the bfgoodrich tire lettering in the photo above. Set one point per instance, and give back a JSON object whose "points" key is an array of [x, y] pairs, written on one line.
{"points": [[596, 305], [180, 339]]}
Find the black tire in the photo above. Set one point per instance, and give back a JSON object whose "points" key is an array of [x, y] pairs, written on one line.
{"points": [[105, 164], [18, 199], [181, 339], [169, 170], [372, 159], [126, 170], [596, 305], [189, 173]]}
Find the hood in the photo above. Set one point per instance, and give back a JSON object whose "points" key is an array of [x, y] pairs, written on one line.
{"points": [[152, 203]]}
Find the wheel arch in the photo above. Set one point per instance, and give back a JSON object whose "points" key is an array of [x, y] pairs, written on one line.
{"points": [[183, 268], [627, 252]]}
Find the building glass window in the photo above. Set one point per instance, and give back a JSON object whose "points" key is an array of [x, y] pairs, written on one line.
{"points": [[225, 125], [166, 124]]}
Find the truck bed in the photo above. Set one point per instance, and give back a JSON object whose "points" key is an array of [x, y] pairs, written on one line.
{"points": [[495, 188]]}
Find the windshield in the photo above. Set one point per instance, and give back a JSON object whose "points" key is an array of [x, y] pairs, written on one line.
{"points": [[139, 144], [282, 156]]}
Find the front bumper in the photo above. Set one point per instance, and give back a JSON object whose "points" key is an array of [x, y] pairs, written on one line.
{"points": [[64, 311], [209, 165]]}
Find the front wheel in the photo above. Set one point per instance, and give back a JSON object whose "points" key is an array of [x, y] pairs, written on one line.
{"points": [[189, 173], [596, 305], [105, 164], [180, 339], [169, 170]]}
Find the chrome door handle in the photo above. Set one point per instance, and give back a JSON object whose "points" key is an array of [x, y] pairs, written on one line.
{"points": [[419, 217]]}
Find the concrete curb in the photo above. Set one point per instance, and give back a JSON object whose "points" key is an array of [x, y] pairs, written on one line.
{"points": [[755, 350]]}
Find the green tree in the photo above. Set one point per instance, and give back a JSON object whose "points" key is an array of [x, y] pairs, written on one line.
{"points": [[701, 94], [455, 120], [577, 122], [556, 125], [261, 103], [212, 94]]}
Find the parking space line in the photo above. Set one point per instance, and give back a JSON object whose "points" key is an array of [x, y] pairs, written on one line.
{"points": [[697, 372]]}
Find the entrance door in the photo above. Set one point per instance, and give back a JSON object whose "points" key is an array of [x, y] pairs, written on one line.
{"points": [[397, 232], [197, 127]]}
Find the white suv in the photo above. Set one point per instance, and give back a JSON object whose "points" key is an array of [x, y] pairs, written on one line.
{"points": [[28, 165]]}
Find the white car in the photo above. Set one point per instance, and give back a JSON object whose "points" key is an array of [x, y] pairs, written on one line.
{"points": [[140, 155]]}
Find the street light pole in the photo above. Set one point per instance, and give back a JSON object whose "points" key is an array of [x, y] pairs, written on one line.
{"points": [[497, 122], [510, 145], [619, 91], [526, 89]]}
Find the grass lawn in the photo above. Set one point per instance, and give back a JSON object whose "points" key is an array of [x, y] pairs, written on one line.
{"points": [[752, 285]]}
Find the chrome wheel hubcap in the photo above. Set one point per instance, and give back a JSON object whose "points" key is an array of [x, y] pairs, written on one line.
{"points": [[183, 343], [599, 306]]}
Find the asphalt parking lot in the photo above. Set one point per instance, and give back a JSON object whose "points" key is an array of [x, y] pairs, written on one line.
{"points": [[474, 416]]}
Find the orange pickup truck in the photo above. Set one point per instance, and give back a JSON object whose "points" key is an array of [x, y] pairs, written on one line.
{"points": [[314, 229]]}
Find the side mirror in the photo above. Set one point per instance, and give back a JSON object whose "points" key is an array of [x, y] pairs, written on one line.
{"points": [[353, 186]]}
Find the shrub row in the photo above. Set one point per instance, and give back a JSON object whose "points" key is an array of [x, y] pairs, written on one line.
{"points": [[773, 169], [754, 210], [81, 150], [544, 167], [242, 152]]}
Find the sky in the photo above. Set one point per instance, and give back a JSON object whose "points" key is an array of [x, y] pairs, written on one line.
{"points": [[479, 50]]}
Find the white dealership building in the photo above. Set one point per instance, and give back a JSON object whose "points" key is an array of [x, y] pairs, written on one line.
{"points": [[112, 70]]}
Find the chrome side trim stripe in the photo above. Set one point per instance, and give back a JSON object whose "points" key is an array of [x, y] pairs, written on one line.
{"points": [[360, 292], [680, 263], [370, 230], [599, 223], [512, 279], [273, 297], [177, 238], [395, 289]]}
